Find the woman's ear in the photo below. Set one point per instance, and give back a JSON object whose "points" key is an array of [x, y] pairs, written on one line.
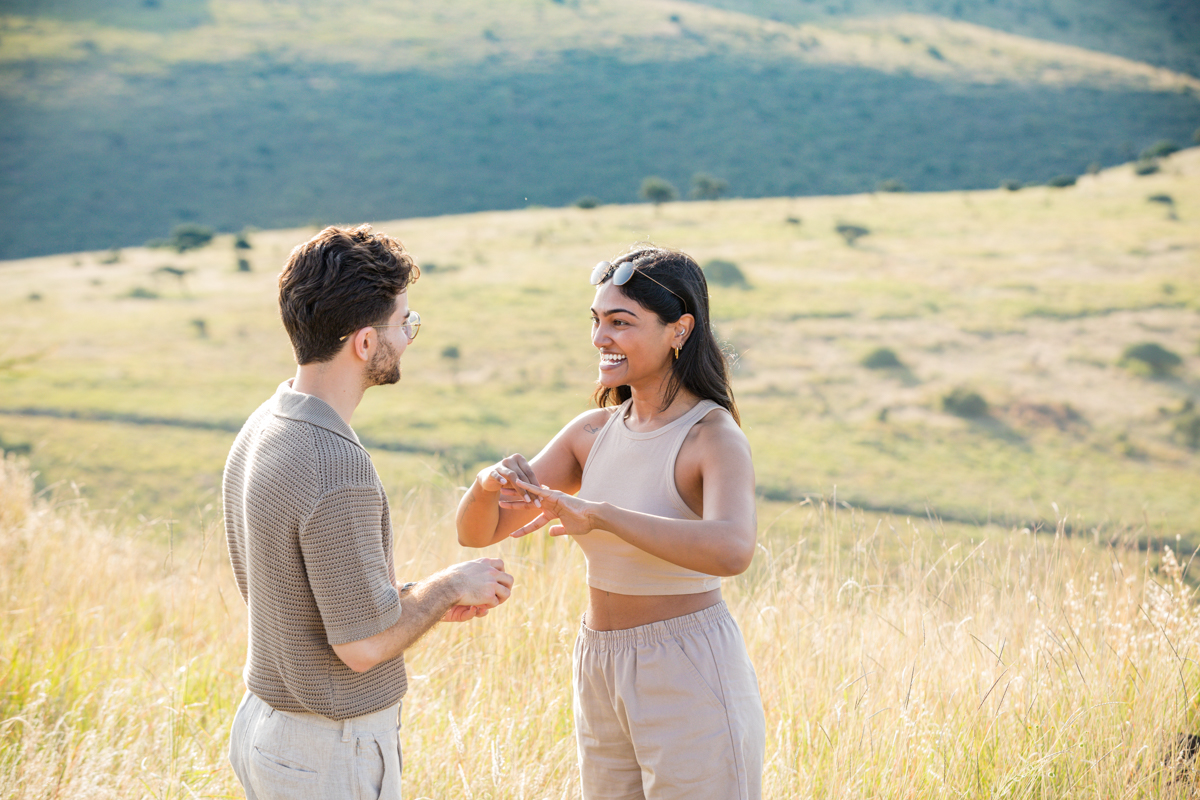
{"points": [[683, 328]]}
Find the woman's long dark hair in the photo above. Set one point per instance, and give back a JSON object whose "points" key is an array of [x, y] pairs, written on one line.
{"points": [[701, 367]]}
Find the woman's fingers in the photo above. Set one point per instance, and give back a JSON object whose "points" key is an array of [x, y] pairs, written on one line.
{"points": [[536, 489], [522, 469], [531, 526]]}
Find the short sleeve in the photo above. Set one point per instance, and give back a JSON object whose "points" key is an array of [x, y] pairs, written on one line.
{"points": [[342, 543]]}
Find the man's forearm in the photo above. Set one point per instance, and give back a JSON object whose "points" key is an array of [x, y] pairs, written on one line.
{"points": [[422, 605]]}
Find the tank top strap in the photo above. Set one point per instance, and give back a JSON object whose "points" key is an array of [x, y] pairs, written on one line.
{"points": [[675, 444]]}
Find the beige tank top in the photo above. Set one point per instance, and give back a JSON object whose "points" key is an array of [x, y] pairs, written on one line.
{"points": [[636, 471]]}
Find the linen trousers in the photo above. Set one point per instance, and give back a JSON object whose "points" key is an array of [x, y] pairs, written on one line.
{"points": [[669, 711], [284, 755]]}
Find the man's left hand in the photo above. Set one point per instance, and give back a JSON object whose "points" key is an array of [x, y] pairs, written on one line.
{"points": [[464, 613]]}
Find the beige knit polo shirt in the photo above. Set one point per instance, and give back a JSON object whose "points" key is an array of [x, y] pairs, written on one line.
{"points": [[310, 541]]}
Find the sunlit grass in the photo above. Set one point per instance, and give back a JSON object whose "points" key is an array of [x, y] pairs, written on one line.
{"points": [[893, 661]]}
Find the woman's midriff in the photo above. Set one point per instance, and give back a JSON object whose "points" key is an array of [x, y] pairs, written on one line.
{"points": [[608, 611]]}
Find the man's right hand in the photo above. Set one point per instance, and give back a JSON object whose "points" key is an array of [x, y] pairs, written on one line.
{"points": [[482, 582]]}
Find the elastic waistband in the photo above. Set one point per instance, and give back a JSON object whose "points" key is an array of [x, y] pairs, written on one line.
{"points": [[376, 722], [654, 631]]}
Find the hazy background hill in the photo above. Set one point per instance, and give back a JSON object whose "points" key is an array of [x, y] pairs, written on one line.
{"points": [[1162, 32], [126, 118]]}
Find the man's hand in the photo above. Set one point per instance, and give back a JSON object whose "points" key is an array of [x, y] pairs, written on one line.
{"points": [[482, 583], [464, 613], [456, 594]]}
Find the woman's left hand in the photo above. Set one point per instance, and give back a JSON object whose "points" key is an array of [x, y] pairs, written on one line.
{"points": [[575, 515]]}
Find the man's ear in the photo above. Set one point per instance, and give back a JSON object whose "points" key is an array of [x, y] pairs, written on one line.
{"points": [[362, 342]]}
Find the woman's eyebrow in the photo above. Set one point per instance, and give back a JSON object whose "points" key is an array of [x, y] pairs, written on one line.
{"points": [[610, 312]]}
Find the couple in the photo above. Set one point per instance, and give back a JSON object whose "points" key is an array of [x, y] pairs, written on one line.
{"points": [[655, 484]]}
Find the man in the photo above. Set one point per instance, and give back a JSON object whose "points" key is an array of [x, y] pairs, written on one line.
{"points": [[310, 540]]}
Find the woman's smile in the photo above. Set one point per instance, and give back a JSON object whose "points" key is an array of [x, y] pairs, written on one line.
{"points": [[611, 360]]}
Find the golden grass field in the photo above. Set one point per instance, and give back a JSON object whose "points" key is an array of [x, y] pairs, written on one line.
{"points": [[1004, 620], [1014, 665]]}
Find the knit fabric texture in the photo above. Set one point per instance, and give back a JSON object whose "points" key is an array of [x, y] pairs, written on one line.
{"points": [[310, 541]]}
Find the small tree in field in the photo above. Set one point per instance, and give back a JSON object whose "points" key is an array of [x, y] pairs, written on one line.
{"points": [[707, 187], [657, 190], [851, 233], [190, 237], [1153, 357]]}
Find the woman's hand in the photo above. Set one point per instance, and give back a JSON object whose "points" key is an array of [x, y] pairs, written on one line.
{"points": [[575, 515], [504, 477]]}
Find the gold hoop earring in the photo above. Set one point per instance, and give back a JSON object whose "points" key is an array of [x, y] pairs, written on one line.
{"points": [[676, 353]]}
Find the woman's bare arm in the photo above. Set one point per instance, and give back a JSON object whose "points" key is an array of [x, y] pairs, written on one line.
{"points": [[721, 543], [494, 507]]}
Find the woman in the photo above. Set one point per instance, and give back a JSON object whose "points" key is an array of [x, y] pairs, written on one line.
{"points": [[657, 486]]}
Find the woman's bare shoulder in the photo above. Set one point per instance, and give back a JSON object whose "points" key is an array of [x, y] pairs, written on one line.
{"points": [[717, 431]]}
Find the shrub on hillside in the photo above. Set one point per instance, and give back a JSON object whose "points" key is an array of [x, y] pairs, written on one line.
{"points": [[243, 265], [851, 233], [587, 201], [190, 237], [1145, 168], [1187, 425], [1151, 356], [1160, 149], [242, 241], [1011, 185], [657, 190], [891, 185], [1061, 181], [707, 187], [724, 273], [964, 403], [881, 358], [1165, 199]]}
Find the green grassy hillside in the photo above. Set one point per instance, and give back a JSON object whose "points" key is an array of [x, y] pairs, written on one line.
{"points": [[1162, 32], [125, 383], [124, 119]]}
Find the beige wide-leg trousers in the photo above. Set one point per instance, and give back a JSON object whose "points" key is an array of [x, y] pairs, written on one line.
{"points": [[669, 710]]}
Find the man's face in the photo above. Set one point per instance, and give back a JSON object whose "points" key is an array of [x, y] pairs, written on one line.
{"points": [[384, 367]]}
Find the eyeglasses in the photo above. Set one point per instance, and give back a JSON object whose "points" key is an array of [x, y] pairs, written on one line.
{"points": [[410, 326], [621, 275]]}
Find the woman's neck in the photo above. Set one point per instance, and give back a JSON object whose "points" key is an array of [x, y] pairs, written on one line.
{"points": [[647, 413]]}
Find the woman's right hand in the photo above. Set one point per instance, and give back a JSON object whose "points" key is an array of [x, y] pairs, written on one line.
{"points": [[503, 476]]}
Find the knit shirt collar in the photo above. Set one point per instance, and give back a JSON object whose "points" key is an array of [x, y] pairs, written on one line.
{"points": [[306, 408]]}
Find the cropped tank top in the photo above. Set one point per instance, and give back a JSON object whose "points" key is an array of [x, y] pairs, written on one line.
{"points": [[636, 471]]}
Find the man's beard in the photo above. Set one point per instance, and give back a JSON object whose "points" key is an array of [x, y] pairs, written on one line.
{"points": [[384, 367]]}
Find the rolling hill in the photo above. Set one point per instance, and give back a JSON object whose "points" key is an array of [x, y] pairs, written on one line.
{"points": [[125, 119]]}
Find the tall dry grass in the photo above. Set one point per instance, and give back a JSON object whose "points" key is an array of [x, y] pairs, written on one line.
{"points": [[892, 664]]}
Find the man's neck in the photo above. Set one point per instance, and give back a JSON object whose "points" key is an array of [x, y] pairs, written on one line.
{"points": [[332, 382]]}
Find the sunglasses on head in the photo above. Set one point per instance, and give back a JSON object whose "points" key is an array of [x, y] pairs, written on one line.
{"points": [[621, 275]]}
